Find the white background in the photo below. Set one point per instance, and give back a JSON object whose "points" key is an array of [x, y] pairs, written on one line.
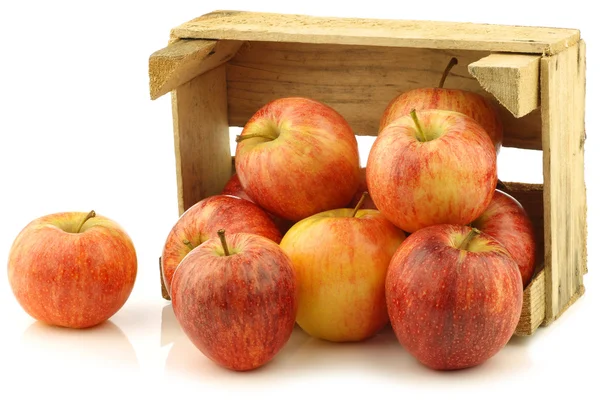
{"points": [[78, 132]]}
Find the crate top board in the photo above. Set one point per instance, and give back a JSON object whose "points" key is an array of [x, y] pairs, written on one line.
{"points": [[252, 26], [510, 72]]}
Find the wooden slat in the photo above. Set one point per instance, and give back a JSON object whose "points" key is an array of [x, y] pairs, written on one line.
{"points": [[534, 306], [513, 79], [182, 60], [202, 154], [563, 101], [238, 25], [358, 81]]}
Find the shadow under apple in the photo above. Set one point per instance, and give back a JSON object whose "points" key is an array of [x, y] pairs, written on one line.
{"points": [[380, 356]]}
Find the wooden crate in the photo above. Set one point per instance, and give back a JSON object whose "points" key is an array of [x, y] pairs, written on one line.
{"points": [[222, 67]]}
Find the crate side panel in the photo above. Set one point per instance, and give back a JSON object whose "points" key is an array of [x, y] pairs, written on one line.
{"points": [[358, 81], [563, 103], [202, 154], [240, 25]]}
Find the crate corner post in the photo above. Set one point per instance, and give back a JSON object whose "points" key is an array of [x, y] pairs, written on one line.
{"points": [[563, 137]]}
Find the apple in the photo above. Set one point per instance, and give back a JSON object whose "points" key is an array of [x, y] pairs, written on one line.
{"points": [[233, 187], [505, 220], [201, 222], [362, 187], [341, 258], [454, 296], [296, 157], [466, 102], [236, 299], [439, 167], [72, 269]]}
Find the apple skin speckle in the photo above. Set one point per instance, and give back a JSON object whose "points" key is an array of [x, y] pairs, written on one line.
{"points": [[471, 303]]}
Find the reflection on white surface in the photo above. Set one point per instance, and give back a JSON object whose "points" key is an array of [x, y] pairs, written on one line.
{"points": [[381, 357], [169, 327], [55, 362], [104, 345]]}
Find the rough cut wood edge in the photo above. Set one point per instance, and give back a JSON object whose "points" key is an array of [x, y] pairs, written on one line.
{"points": [[182, 60], [348, 79], [513, 79], [254, 26], [563, 136], [202, 154], [534, 306], [163, 288]]}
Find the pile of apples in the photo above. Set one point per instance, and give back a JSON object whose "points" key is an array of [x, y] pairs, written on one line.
{"points": [[301, 234], [420, 238]]}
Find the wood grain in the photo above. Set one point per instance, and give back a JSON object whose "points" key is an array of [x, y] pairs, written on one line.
{"points": [[183, 60], [534, 306], [563, 136], [252, 26], [513, 79], [202, 154], [357, 81]]}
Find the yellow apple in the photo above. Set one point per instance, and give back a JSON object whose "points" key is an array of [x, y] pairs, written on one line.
{"points": [[341, 259]]}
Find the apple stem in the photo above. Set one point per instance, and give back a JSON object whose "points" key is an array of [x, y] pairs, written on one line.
{"points": [[89, 215], [413, 114], [221, 234], [188, 244], [465, 243], [452, 63], [239, 138], [360, 203]]}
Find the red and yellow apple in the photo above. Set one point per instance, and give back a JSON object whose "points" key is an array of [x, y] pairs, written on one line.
{"points": [[341, 258], [430, 168], [236, 299], [362, 187], [454, 296], [297, 157], [463, 101], [202, 221], [72, 269], [505, 220], [233, 187]]}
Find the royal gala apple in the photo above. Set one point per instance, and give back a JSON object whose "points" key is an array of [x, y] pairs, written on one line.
{"points": [[505, 220], [466, 102], [297, 157], [341, 258], [236, 299], [202, 221], [430, 168], [362, 188], [72, 269], [454, 296], [233, 187]]}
